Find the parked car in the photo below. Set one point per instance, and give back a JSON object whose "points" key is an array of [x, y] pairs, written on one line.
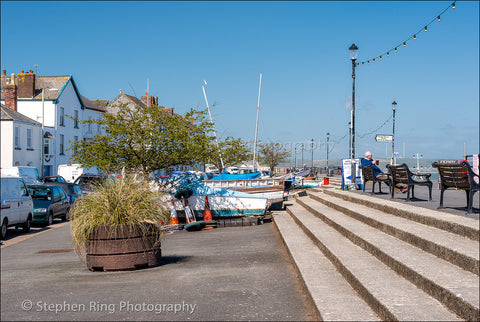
{"points": [[88, 181], [73, 190], [29, 175], [16, 204], [49, 202], [54, 179]]}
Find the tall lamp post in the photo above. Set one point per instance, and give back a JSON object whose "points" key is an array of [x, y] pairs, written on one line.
{"points": [[312, 155], [394, 107], [328, 139], [48, 136], [303, 147], [353, 57]]}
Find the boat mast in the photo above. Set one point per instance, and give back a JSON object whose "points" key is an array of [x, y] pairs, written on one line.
{"points": [[256, 126], [213, 126]]}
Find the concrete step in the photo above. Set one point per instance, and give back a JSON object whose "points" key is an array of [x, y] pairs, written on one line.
{"points": [[451, 247], [463, 226], [389, 295], [332, 296], [428, 272]]}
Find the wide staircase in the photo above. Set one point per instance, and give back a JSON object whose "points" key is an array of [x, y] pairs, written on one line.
{"points": [[362, 258]]}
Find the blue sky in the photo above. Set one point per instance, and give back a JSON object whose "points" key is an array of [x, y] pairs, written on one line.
{"points": [[301, 48]]}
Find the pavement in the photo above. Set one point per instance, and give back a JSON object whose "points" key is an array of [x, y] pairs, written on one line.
{"points": [[234, 273], [454, 201]]}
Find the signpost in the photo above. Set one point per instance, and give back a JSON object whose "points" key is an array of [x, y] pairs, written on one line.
{"points": [[384, 138]]}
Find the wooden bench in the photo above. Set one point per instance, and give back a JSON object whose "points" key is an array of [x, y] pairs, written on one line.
{"points": [[457, 176], [402, 174], [368, 174]]}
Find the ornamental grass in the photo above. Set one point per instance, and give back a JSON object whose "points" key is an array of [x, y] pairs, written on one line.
{"points": [[118, 202]]}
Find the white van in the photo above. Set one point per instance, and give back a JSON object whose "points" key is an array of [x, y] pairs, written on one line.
{"points": [[70, 172], [29, 174], [16, 204]]}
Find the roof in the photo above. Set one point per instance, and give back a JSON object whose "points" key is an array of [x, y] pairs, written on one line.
{"points": [[7, 114], [53, 86], [98, 105], [123, 99]]}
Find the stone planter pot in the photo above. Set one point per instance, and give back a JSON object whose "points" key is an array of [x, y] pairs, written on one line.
{"points": [[123, 247]]}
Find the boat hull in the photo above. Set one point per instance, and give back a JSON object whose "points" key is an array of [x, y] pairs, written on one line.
{"points": [[225, 206]]}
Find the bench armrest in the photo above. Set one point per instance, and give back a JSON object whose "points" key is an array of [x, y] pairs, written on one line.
{"points": [[426, 175]]}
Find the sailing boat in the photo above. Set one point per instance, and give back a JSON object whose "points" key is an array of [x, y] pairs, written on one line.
{"points": [[251, 183]]}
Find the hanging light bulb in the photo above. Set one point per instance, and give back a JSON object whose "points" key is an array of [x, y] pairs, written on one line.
{"points": [[368, 62], [363, 62], [395, 49], [438, 18], [380, 57], [374, 60], [414, 37], [453, 5], [388, 54], [404, 44], [425, 28]]}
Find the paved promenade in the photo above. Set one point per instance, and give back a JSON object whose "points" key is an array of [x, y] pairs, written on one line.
{"points": [[237, 273]]}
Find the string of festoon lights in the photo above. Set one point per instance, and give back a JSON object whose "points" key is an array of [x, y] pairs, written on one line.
{"points": [[404, 43]]}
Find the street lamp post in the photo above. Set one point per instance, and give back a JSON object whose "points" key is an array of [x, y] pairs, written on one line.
{"points": [[312, 155], [394, 107], [303, 147], [328, 139], [349, 138], [353, 57], [295, 167], [43, 132]]}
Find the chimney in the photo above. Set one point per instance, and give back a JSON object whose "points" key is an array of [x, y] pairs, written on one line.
{"points": [[11, 94], [26, 85], [4, 79]]}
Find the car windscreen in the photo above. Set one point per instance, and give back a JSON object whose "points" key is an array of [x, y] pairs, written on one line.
{"points": [[41, 193]]}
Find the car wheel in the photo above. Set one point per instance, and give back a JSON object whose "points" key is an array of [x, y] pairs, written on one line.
{"points": [[66, 217], [27, 224], [50, 219], [4, 228]]}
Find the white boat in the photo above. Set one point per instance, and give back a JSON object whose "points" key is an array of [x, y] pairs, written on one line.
{"points": [[271, 188], [223, 202]]}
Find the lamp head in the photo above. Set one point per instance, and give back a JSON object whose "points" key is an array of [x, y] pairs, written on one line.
{"points": [[394, 105], [353, 52]]}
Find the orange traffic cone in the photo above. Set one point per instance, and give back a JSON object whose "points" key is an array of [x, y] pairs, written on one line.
{"points": [[207, 215], [173, 215]]}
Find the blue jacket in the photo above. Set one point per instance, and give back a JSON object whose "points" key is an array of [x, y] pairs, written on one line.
{"points": [[366, 163]]}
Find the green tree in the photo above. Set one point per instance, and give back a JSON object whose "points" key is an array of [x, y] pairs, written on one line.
{"points": [[145, 139], [233, 152], [272, 154]]}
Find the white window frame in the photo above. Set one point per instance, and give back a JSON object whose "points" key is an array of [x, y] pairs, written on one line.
{"points": [[62, 116], [75, 121], [75, 139], [29, 138], [62, 144], [17, 137]]}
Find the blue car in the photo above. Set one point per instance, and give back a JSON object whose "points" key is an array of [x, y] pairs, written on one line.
{"points": [[48, 202]]}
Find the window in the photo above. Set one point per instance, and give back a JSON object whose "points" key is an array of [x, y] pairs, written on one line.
{"points": [[75, 121], [29, 139], [62, 116], [75, 139], [17, 137], [98, 128], [46, 146], [62, 141]]}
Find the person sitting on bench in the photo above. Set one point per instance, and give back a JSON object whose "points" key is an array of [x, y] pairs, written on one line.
{"points": [[368, 161]]}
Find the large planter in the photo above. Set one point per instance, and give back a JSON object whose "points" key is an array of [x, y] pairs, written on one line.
{"points": [[123, 247]]}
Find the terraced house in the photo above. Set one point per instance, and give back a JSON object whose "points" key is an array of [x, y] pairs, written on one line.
{"points": [[48, 101]]}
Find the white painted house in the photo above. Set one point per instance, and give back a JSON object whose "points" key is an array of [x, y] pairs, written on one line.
{"points": [[20, 139], [51, 100]]}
